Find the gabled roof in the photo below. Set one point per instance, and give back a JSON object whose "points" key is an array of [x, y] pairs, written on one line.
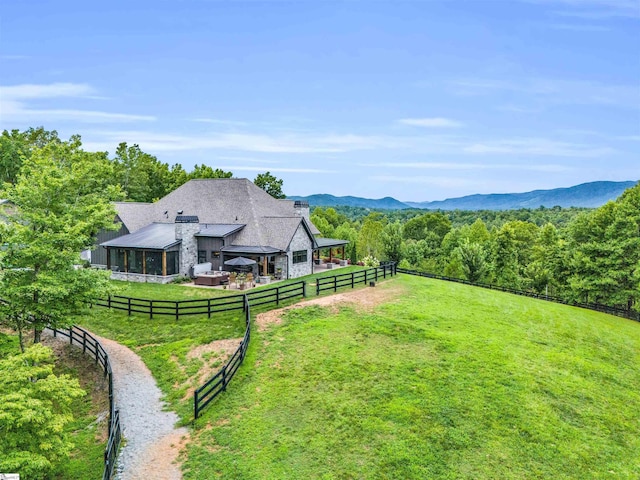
{"points": [[156, 236], [224, 206], [218, 230]]}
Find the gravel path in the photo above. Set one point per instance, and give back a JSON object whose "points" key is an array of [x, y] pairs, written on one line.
{"points": [[152, 441]]}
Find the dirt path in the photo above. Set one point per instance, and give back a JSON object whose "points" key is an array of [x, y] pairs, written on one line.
{"points": [[152, 441], [364, 299]]}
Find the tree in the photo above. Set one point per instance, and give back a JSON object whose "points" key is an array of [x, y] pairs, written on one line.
{"points": [[270, 184], [473, 260], [35, 406], [391, 239], [60, 201], [16, 146], [205, 171], [369, 243]]}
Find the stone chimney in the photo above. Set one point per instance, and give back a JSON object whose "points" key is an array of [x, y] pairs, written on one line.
{"points": [[301, 209], [186, 228]]}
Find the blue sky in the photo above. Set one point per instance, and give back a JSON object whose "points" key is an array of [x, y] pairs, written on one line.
{"points": [[419, 100]]}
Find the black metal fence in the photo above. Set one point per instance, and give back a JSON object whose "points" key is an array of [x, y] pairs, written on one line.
{"points": [[92, 347], [620, 312], [354, 278]]}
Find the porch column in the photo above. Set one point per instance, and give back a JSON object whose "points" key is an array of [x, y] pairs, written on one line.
{"points": [[126, 261], [108, 258], [265, 262], [330, 254], [164, 263], [343, 252], [144, 262]]}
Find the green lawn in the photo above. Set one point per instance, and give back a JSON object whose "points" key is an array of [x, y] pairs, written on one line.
{"points": [[444, 381]]}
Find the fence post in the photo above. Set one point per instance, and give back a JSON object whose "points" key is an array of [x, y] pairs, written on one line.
{"points": [[84, 342], [278, 296], [335, 283], [317, 286], [151, 309], [70, 335], [376, 272], [177, 314], [353, 280], [224, 378], [365, 277], [304, 289], [109, 301], [209, 307], [129, 305], [195, 404]]}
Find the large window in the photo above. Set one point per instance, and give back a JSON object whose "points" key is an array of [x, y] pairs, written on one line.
{"points": [[172, 263], [153, 263], [300, 256]]}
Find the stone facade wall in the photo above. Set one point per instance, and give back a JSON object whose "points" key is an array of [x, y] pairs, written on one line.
{"points": [[300, 241], [139, 277], [281, 262], [189, 247]]}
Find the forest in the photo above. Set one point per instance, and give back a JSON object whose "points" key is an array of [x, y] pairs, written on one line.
{"points": [[587, 255]]}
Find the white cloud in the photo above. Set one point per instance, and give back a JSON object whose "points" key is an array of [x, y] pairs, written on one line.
{"points": [[17, 103], [443, 182], [249, 142], [53, 90], [244, 168], [537, 146], [551, 168], [593, 9], [435, 122], [577, 27], [554, 91], [218, 121]]}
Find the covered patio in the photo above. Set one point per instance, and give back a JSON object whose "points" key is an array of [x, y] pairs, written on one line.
{"points": [[336, 249]]}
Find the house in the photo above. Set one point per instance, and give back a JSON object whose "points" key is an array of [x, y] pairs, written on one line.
{"points": [[210, 220]]}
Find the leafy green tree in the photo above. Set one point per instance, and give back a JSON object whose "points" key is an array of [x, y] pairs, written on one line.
{"points": [[369, 236], [270, 184], [391, 239], [205, 171], [60, 201], [16, 146], [35, 406], [604, 248], [473, 261]]}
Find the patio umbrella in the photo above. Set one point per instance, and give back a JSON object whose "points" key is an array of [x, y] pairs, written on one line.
{"points": [[240, 262]]}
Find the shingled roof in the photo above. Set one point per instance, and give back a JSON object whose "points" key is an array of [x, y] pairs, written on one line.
{"points": [[223, 201]]}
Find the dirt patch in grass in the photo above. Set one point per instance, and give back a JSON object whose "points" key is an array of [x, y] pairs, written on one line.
{"points": [[213, 355], [364, 299], [162, 453]]}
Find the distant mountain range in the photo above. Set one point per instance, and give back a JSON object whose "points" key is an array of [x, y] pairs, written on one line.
{"points": [[591, 195]]}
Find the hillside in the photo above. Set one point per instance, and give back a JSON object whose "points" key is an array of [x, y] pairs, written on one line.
{"points": [[418, 378], [589, 195], [326, 200]]}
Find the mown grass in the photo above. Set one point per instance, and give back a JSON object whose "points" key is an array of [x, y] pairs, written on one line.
{"points": [[164, 343], [445, 381]]}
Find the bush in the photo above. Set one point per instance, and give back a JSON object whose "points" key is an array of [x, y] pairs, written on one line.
{"points": [[370, 261]]}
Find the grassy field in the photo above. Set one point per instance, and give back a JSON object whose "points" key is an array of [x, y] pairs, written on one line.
{"points": [[443, 381], [164, 343]]}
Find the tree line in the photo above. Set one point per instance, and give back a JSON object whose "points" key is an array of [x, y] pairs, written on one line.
{"points": [[585, 255], [140, 176]]}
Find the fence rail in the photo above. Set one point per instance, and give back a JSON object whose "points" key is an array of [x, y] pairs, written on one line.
{"points": [[205, 306], [354, 278], [619, 312], [218, 383], [91, 346]]}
